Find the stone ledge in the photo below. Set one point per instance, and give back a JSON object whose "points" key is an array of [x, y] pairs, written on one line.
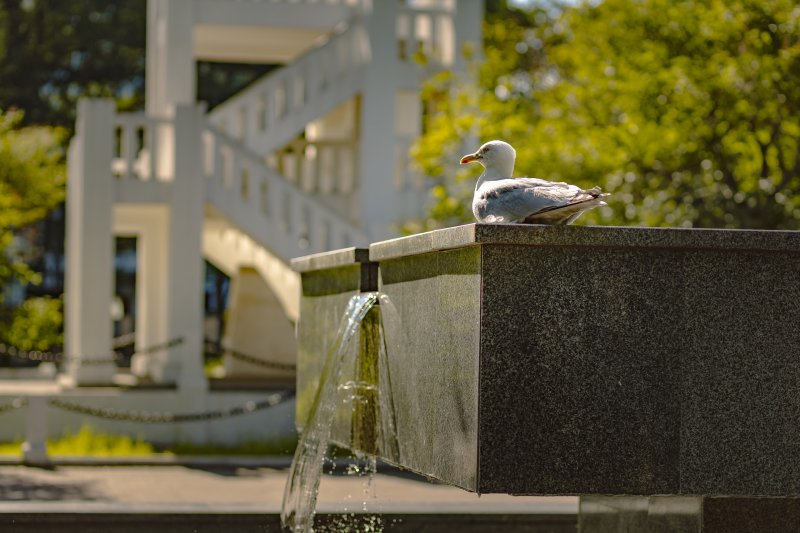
{"points": [[588, 236]]}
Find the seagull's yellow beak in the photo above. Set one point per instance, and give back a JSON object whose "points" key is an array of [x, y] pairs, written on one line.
{"points": [[470, 158]]}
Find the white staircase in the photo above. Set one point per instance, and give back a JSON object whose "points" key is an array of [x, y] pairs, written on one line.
{"points": [[309, 158]]}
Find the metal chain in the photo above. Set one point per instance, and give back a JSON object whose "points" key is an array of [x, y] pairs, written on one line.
{"points": [[59, 357], [33, 355], [148, 417], [260, 362], [211, 347], [16, 403], [123, 340]]}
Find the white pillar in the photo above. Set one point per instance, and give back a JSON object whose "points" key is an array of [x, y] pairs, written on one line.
{"points": [[183, 364], [170, 75], [377, 133], [90, 247]]}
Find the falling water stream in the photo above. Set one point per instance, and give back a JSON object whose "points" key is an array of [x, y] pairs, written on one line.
{"points": [[369, 391]]}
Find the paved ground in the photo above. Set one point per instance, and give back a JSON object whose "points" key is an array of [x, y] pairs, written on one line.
{"points": [[240, 489]]}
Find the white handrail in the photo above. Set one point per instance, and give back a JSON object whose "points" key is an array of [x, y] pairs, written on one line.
{"points": [[425, 33], [142, 150], [252, 194], [273, 110]]}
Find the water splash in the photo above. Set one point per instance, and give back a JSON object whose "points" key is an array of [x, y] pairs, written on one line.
{"points": [[302, 485]]}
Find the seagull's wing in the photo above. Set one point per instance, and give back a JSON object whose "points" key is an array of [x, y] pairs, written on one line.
{"points": [[513, 200]]}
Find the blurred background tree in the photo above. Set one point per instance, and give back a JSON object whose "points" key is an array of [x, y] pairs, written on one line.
{"points": [[31, 183], [687, 112], [52, 53]]}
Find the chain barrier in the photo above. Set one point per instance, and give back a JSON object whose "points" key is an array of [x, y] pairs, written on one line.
{"points": [[16, 403], [260, 362], [149, 417], [212, 346], [123, 340], [60, 357]]}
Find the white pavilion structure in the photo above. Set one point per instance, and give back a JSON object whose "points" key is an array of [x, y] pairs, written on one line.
{"points": [[311, 157]]}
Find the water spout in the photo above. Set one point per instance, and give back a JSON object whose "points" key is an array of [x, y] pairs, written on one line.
{"points": [[369, 391]]}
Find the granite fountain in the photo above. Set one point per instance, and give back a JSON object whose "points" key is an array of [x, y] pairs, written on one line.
{"points": [[654, 372]]}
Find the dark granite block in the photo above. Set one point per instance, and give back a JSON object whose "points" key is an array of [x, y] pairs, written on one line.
{"points": [[740, 373], [577, 383], [434, 361], [751, 515], [581, 360]]}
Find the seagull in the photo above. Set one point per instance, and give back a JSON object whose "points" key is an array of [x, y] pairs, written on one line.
{"points": [[499, 198]]}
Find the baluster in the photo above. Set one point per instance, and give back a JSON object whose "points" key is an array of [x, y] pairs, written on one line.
{"points": [[324, 65], [118, 164], [219, 162], [129, 149], [286, 219], [403, 33], [422, 34], [436, 49], [263, 195], [261, 113], [346, 169], [241, 122], [308, 158], [305, 225], [208, 154], [279, 100], [244, 180], [325, 168], [236, 171], [227, 167], [152, 149], [298, 87]]}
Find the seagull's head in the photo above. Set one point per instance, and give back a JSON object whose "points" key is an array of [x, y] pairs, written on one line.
{"points": [[497, 157]]}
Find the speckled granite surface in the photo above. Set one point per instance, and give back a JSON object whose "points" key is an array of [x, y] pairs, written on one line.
{"points": [[591, 236], [585, 360]]}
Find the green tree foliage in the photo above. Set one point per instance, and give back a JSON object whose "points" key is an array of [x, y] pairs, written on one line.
{"points": [[688, 112], [31, 183], [53, 52], [35, 325]]}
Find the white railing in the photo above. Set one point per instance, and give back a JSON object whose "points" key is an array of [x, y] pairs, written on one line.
{"points": [[319, 167], [426, 35], [281, 215], [143, 147], [274, 110], [274, 212]]}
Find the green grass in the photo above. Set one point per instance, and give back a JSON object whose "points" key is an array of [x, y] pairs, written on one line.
{"points": [[284, 446], [88, 442]]}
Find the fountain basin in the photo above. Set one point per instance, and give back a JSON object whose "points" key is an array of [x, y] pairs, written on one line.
{"points": [[595, 360]]}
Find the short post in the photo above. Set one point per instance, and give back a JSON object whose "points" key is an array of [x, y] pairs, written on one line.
{"points": [[34, 449]]}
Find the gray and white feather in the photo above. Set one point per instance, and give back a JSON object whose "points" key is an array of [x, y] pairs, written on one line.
{"points": [[499, 198]]}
